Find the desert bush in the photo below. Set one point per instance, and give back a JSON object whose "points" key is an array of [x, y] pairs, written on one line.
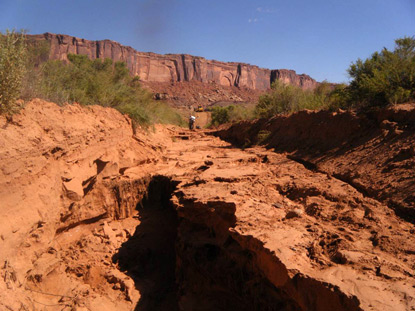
{"points": [[285, 98], [387, 77], [231, 113], [12, 69], [262, 136], [97, 82], [339, 97], [220, 115], [161, 112], [37, 52]]}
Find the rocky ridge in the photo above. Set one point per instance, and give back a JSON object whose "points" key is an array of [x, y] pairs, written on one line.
{"points": [[170, 68]]}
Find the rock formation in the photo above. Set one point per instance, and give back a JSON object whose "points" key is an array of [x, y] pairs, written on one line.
{"points": [[291, 77], [169, 68]]}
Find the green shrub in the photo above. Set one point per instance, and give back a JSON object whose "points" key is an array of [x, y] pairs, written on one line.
{"points": [[220, 115], [231, 113], [286, 98], [98, 82], [37, 52], [387, 77], [384, 78], [263, 136], [161, 112], [339, 97], [12, 69]]}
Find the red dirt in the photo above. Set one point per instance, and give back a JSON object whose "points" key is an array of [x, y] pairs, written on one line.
{"points": [[95, 217], [196, 93], [374, 153]]}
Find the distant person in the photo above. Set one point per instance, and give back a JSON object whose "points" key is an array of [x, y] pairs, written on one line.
{"points": [[192, 120]]}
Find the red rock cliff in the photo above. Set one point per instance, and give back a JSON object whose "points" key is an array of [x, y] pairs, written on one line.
{"points": [[173, 67]]}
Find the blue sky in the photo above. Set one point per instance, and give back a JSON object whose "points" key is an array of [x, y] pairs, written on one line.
{"points": [[318, 37]]}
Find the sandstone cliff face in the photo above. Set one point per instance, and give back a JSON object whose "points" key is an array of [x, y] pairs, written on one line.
{"points": [[291, 77], [153, 67]]}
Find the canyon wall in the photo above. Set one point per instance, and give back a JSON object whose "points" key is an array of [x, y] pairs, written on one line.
{"points": [[154, 67]]}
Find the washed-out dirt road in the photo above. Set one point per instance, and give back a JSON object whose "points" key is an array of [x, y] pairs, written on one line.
{"points": [[95, 217]]}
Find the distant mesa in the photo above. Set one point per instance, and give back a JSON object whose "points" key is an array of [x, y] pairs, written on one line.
{"points": [[152, 67]]}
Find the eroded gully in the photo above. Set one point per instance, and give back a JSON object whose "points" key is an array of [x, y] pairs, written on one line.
{"points": [[229, 229]]}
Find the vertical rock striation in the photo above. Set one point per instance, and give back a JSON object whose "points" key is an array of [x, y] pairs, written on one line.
{"points": [[154, 67]]}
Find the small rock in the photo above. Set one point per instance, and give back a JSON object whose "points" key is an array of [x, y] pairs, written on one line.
{"points": [[296, 212], [369, 214], [26, 244], [388, 125], [110, 169], [129, 232], [339, 257], [73, 190], [121, 234], [109, 233], [123, 283]]}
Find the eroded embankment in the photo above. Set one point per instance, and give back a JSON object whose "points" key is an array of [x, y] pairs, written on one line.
{"points": [[107, 219], [67, 205], [374, 153], [186, 255], [219, 268], [149, 256]]}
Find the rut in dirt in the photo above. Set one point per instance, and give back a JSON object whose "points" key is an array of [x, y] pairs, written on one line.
{"points": [[149, 256], [172, 260]]}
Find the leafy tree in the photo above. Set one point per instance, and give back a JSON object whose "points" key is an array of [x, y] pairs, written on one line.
{"points": [[387, 77], [12, 69], [339, 97]]}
